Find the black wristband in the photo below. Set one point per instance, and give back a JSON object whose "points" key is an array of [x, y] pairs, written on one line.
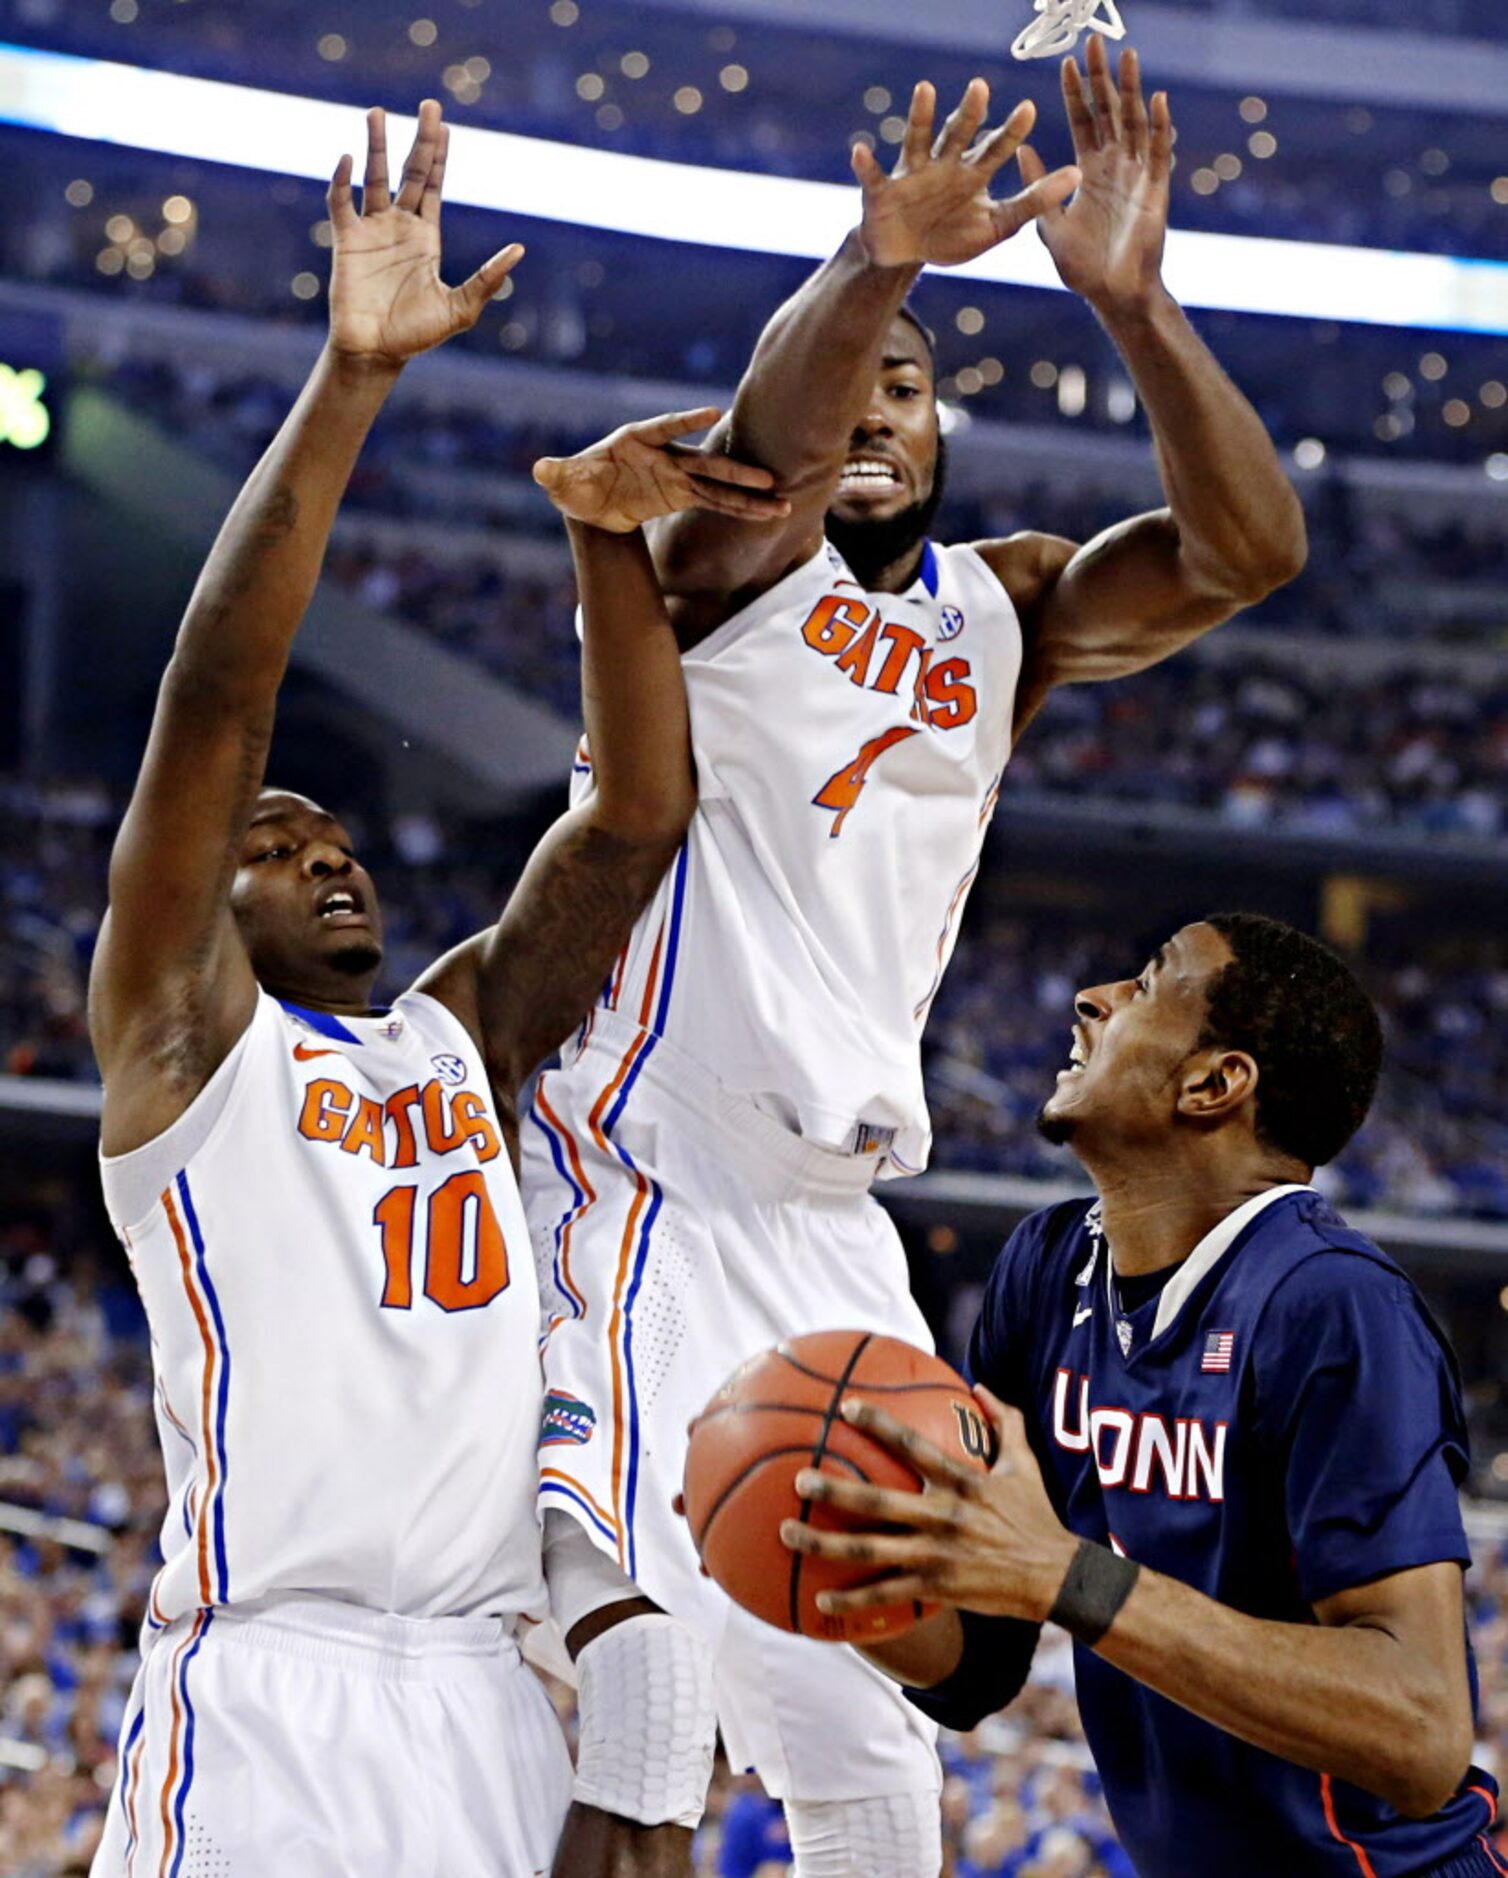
{"points": [[1094, 1588]]}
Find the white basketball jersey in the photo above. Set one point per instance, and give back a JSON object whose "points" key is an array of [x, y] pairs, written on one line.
{"points": [[338, 1281], [849, 748]]}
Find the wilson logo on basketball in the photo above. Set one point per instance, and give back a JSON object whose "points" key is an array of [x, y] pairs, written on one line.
{"points": [[973, 1434]]}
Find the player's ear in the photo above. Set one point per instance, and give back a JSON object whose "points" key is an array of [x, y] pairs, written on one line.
{"points": [[1215, 1083]]}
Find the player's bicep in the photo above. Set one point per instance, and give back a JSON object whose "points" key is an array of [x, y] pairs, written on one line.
{"points": [[1423, 1612], [1123, 601]]}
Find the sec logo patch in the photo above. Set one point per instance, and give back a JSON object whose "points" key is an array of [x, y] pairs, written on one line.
{"points": [[950, 622], [449, 1069]]}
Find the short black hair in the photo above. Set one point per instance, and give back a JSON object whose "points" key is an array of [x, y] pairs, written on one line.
{"points": [[1301, 1013]]}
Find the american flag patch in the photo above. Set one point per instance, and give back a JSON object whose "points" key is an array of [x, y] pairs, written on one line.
{"points": [[1219, 1346]]}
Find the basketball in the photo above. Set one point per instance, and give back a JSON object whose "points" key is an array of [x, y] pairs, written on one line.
{"points": [[780, 1413]]}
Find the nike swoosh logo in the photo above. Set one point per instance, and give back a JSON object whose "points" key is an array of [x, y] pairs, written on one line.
{"points": [[1082, 1317], [305, 1055]]}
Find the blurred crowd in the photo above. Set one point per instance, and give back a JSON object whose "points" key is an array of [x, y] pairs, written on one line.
{"points": [[1376, 568], [1437, 1141]]}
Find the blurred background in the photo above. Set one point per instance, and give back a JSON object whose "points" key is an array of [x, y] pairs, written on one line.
{"points": [[1338, 757]]}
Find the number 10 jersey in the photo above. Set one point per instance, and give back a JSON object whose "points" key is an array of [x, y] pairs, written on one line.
{"points": [[332, 1254], [849, 748]]}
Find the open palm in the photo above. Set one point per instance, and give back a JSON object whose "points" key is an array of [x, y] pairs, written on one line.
{"points": [[936, 204], [1107, 243], [387, 300]]}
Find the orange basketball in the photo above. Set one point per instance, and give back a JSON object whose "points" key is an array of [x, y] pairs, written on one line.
{"points": [[780, 1413]]}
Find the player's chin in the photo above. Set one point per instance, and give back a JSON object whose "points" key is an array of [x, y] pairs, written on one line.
{"points": [[352, 954], [858, 506], [1057, 1119]]}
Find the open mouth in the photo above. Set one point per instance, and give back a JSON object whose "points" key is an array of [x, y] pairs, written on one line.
{"points": [[867, 475], [1078, 1058], [341, 907]]}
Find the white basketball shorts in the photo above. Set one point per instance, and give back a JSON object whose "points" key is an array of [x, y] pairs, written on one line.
{"points": [[314, 1739], [679, 1230]]}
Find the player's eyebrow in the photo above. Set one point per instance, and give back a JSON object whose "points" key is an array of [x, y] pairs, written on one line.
{"points": [[1159, 959], [894, 364]]}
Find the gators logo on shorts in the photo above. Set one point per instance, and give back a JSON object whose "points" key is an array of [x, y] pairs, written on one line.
{"points": [[568, 1423]]}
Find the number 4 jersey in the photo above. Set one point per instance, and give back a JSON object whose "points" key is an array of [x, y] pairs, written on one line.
{"points": [[337, 1278], [849, 748]]}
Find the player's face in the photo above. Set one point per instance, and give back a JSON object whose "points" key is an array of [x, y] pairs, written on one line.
{"points": [[892, 454], [306, 907], [1131, 1044]]}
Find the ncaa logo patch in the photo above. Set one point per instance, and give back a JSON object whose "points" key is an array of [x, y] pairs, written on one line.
{"points": [[950, 622], [451, 1069], [568, 1421]]}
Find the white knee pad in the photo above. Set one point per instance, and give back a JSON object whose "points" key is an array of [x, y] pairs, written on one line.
{"points": [[648, 1722], [582, 1578], [898, 1835]]}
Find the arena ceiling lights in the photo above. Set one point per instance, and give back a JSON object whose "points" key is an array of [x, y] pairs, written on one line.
{"points": [[715, 208]]}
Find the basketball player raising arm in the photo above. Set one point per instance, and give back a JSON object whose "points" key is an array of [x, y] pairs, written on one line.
{"points": [[174, 982], [839, 399], [315, 1196]]}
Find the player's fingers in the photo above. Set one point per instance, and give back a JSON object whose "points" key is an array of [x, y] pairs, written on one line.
{"points": [[547, 471], [420, 158], [997, 149], [906, 1588], [1008, 1424], [338, 196], [1133, 105], [1102, 87], [727, 469], [1161, 138], [745, 505], [916, 145], [875, 1549], [1081, 123], [1039, 198], [673, 424], [879, 1506], [434, 187], [866, 166], [963, 122], [930, 1462], [374, 190], [471, 297]]}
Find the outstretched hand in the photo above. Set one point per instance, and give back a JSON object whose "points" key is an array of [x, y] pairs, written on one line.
{"points": [[644, 470], [979, 1542], [936, 204], [1107, 243], [387, 300]]}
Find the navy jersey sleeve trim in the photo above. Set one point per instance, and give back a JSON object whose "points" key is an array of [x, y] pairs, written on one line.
{"points": [[1442, 1546], [997, 1656]]}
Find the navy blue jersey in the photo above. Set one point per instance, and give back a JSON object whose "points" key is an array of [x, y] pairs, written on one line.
{"points": [[1281, 1420]]}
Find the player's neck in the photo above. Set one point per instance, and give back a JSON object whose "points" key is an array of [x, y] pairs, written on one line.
{"points": [[1154, 1217], [353, 999]]}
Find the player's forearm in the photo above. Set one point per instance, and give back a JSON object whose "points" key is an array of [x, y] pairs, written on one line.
{"points": [[262, 570], [632, 691], [1240, 524], [815, 365], [1345, 1700]]}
